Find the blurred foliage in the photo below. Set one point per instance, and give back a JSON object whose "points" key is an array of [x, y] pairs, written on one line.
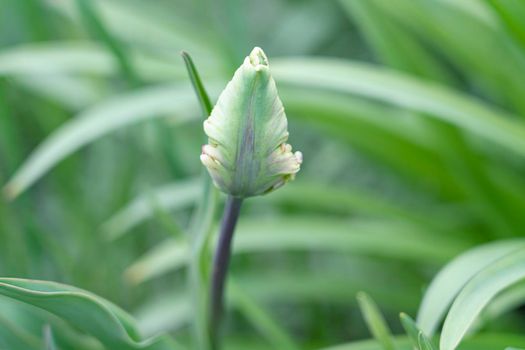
{"points": [[409, 113]]}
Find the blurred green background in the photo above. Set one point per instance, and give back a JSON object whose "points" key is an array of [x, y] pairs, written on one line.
{"points": [[409, 114]]}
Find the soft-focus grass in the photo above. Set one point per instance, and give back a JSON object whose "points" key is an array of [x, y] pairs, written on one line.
{"points": [[410, 114]]}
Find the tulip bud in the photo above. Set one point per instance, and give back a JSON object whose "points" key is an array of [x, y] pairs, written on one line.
{"points": [[247, 154]]}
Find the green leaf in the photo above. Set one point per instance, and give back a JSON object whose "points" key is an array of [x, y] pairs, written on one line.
{"points": [[260, 319], [508, 300], [12, 336], [198, 86], [375, 321], [98, 121], [399, 141], [325, 198], [73, 93], [22, 326], [399, 89], [97, 28], [311, 234], [451, 279], [83, 310], [401, 343], [454, 29], [135, 23], [424, 342], [53, 58], [411, 329], [165, 313], [49, 339], [170, 311], [480, 342], [80, 58], [419, 340], [477, 293], [170, 197], [511, 15], [393, 44], [304, 195]]}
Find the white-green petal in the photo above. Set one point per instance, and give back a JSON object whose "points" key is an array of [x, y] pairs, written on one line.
{"points": [[247, 154]]}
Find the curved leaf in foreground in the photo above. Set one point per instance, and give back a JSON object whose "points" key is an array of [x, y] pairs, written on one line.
{"points": [[478, 293], [22, 328], [480, 342], [451, 279], [83, 310]]}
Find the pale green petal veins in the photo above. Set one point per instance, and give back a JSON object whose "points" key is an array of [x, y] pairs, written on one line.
{"points": [[247, 154]]}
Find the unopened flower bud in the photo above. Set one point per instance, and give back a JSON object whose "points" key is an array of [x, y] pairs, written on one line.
{"points": [[247, 154]]}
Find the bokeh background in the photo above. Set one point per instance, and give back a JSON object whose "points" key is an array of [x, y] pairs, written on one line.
{"points": [[409, 114]]}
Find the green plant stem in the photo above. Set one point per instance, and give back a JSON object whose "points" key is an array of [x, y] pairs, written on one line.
{"points": [[202, 224], [220, 267]]}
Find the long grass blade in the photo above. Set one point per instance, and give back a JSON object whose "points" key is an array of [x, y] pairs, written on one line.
{"points": [[201, 228], [418, 338], [375, 321], [171, 197], [49, 339], [261, 320], [311, 234], [99, 121], [98, 30], [383, 85]]}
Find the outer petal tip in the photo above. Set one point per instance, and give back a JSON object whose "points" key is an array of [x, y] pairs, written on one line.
{"points": [[299, 157], [257, 58]]}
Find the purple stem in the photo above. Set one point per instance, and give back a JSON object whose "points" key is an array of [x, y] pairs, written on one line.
{"points": [[220, 267]]}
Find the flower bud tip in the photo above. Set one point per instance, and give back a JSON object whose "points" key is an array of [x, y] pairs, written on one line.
{"points": [[258, 58]]}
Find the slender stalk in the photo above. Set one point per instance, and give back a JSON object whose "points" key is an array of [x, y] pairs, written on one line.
{"points": [[220, 267], [198, 86], [201, 225]]}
